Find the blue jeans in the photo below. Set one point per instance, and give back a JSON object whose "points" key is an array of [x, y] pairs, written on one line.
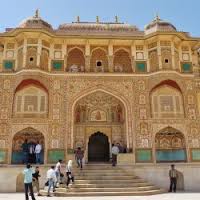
{"points": [[25, 157], [37, 157], [51, 184]]}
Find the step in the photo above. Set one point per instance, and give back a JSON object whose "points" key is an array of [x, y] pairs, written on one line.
{"points": [[125, 189], [105, 185], [105, 177], [130, 193], [111, 181]]}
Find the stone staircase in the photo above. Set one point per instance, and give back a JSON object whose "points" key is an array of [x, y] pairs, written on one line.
{"points": [[105, 180]]}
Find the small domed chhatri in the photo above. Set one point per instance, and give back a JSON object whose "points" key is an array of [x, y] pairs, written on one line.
{"points": [[159, 25], [35, 22]]}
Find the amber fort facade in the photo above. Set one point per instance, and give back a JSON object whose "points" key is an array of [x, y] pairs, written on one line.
{"points": [[110, 82]]}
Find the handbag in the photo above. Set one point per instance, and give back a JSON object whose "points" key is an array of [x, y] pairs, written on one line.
{"points": [[47, 183]]}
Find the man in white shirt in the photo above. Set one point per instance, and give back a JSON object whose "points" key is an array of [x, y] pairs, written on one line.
{"points": [[114, 151], [38, 149], [51, 177], [58, 171]]}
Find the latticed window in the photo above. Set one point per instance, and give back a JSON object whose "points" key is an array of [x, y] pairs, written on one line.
{"points": [[31, 100], [167, 103]]}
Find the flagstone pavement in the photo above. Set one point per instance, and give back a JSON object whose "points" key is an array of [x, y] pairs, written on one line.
{"points": [[168, 196]]}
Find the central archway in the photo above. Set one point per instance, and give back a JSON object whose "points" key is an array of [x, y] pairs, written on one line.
{"points": [[98, 148], [99, 111]]}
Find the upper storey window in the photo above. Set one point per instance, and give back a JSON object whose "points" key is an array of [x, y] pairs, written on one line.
{"points": [[31, 101], [166, 102]]}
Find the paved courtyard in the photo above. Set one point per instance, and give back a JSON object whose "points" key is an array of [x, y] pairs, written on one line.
{"points": [[171, 196]]}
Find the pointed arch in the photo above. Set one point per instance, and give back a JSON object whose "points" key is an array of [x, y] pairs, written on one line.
{"points": [[170, 145], [99, 60], [32, 136], [30, 99], [121, 99], [122, 61], [167, 100], [76, 58]]}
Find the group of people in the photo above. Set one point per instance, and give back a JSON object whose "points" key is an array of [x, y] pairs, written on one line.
{"points": [[54, 178], [31, 152], [55, 174]]}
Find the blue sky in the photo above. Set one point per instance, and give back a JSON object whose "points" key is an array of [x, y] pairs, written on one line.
{"points": [[184, 14]]}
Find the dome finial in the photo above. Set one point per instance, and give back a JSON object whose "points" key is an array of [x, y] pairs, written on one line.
{"points": [[77, 19], [116, 19], [157, 18], [37, 13], [97, 19]]}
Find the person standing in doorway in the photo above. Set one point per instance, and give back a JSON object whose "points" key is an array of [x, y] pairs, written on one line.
{"points": [[25, 150], [58, 172], [69, 174], [173, 175], [28, 172], [36, 184], [31, 147], [79, 156], [51, 177], [114, 151], [38, 149]]}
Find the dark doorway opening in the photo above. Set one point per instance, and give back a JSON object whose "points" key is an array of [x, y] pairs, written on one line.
{"points": [[98, 148]]}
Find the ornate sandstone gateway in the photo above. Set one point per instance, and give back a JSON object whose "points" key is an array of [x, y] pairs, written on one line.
{"points": [[91, 84]]}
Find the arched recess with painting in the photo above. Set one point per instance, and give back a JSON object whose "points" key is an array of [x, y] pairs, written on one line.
{"points": [[170, 145], [32, 136], [99, 115]]}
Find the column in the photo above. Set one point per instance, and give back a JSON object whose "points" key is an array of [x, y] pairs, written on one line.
{"points": [[15, 56], [159, 56], [87, 63], [24, 53], [87, 57], [51, 55], [180, 57], [173, 55], [64, 55], [146, 57], [4, 55], [110, 57], [133, 56], [39, 51]]}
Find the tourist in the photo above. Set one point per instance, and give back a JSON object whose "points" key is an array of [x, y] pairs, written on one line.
{"points": [[51, 177], [79, 154], [173, 175], [31, 147], [36, 184], [120, 147], [28, 172], [25, 151], [115, 152], [69, 174], [38, 149], [58, 172]]}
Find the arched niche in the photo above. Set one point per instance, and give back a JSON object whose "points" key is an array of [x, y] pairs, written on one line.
{"points": [[122, 61], [30, 100], [99, 60], [32, 136], [75, 60], [170, 146], [167, 100]]}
